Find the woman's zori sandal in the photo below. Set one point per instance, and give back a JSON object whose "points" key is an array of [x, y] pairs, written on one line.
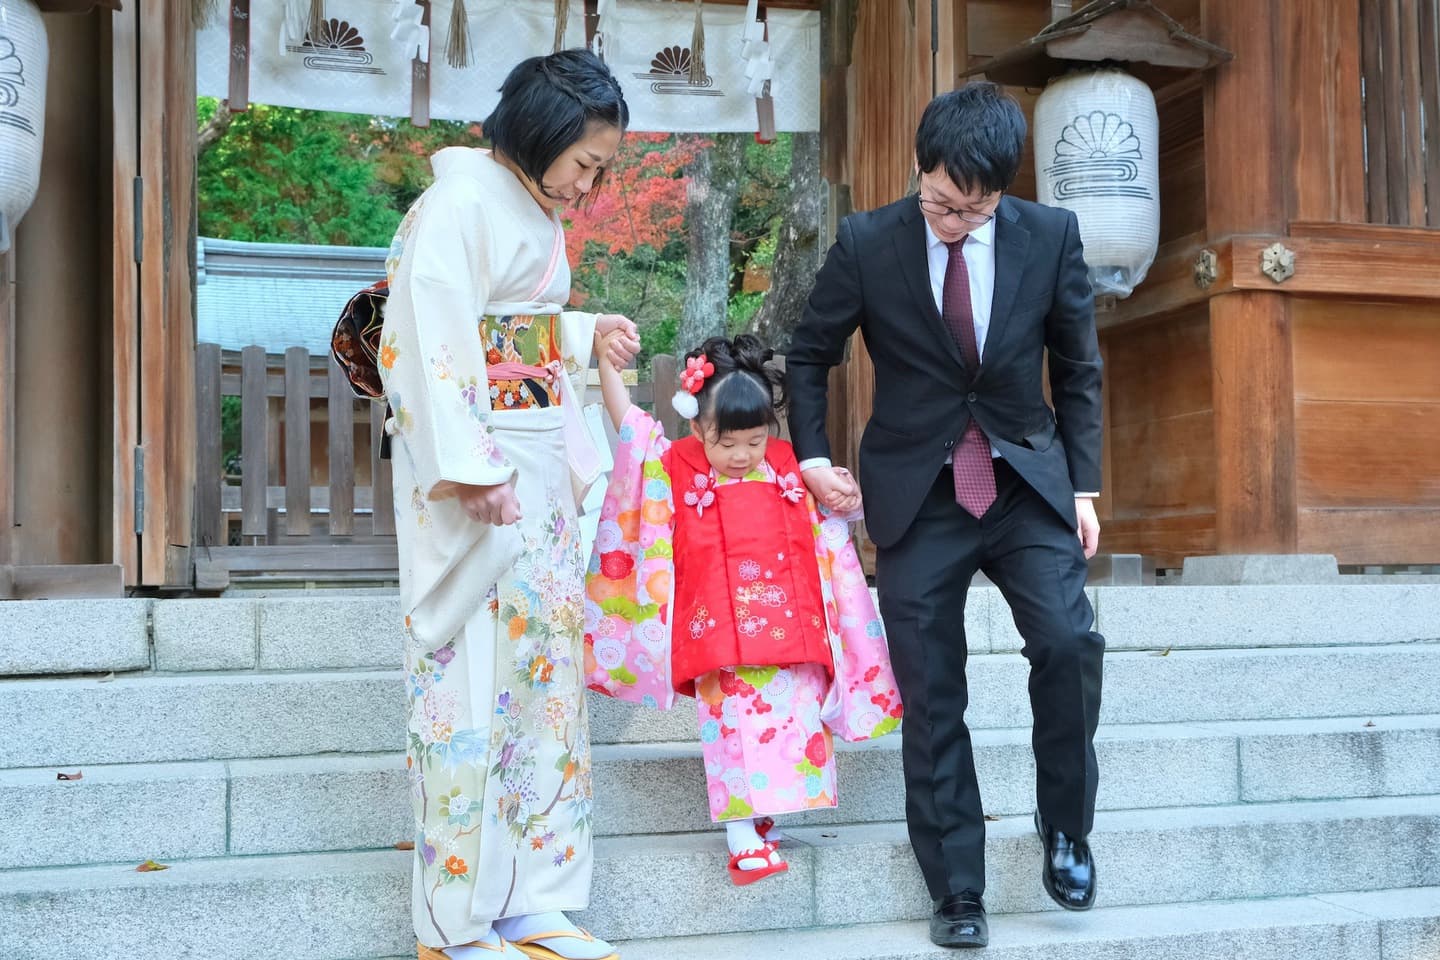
{"points": [[535, 946], [770, 864], [765, 826]]}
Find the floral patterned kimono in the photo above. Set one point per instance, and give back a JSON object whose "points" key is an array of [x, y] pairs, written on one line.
{"points": [[497, 747], [765, 729]]}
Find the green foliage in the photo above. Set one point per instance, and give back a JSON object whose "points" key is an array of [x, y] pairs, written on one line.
{"points": [[741, 309], [230, 434], [285, 175]]}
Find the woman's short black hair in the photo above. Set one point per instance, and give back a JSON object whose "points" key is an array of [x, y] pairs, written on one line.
{"points": [[546, 105], [977, 133], [745, 391]]}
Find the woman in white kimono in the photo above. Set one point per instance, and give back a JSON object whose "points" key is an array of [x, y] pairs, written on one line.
{"points": [[490, 457]]}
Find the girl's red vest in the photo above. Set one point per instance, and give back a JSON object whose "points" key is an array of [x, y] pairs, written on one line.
{"points": [[747, 584]]}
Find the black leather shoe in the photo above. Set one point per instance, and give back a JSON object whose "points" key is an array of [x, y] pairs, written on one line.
{"points": [[1068, 870], [959, 921]]}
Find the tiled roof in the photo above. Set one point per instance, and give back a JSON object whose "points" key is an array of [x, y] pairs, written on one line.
{"points": [[277, 295]]}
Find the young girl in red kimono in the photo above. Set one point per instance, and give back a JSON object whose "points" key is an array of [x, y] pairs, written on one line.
{"points": [[714, 575]]}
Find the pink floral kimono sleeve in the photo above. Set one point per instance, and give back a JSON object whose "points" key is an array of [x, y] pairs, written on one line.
{"points": [[631, 573], [863, 701]]}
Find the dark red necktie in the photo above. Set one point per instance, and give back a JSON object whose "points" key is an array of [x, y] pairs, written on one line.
{"points": [[974, 470]]}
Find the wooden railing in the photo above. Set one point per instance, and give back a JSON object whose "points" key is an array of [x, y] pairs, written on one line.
{"points": [[307, 496]]}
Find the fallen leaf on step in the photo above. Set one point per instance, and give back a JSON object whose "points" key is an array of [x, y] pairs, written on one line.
{"points": [[1369, 723], [1162, 653], [991, 817], [69, 776], [150, 866], [405, 845], [107, 678], [829, 836]]}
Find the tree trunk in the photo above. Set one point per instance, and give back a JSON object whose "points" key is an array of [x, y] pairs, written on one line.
{"points": [[710, 200], [797, 255]]}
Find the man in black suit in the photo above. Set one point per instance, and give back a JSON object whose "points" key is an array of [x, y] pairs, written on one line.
{"points": [[961, 292]]}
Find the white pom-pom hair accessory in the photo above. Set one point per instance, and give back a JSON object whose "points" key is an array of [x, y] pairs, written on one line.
{"points": [[685, 404]]}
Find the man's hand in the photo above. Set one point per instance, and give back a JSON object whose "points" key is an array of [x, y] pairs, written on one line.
{"points": [[496, 504], [617, 339], [1088, 528], [833, 487]]}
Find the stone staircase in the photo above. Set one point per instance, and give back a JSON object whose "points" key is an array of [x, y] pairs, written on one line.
{"points": [[1270, 763]]}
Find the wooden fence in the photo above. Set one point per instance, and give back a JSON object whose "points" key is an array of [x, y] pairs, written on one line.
{"points": [[1400, 63], [263, 515]]}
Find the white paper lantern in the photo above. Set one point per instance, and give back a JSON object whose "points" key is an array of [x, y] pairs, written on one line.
{"points": [[1096, 153], [24, 56]]}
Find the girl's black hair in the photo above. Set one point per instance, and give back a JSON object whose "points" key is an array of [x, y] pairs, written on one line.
{"points": [[546, 105], [745, 391]]}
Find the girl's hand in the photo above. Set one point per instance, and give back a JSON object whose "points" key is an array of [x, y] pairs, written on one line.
{"points": [[623, 346], [496, 504]]}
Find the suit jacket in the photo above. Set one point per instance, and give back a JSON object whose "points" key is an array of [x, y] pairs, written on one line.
{"points": [[876, 278]]}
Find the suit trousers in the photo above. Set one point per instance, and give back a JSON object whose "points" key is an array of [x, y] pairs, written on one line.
{"points": [[1034, 556]]}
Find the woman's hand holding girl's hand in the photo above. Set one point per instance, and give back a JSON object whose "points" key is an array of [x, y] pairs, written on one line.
{"points": [[617, 339], [495, 504]]}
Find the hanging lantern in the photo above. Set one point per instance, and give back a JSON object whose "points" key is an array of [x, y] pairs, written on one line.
{"points": [[24, 56], [1096, 153]]}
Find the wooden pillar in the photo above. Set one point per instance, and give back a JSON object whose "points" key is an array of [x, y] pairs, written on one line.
{"points": [[154, 182], [7, 419], [124, 294], [1250, 336]]}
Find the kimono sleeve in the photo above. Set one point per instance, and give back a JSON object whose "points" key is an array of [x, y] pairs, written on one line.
{"points": [[452, 441], [863, 701], [631, 575]]}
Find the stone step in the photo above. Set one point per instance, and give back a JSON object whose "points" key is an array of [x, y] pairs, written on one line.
{"points": [[288, 805], [236, 715], [1383, 925], [363, 632], [1155, 687], [356, 904]]}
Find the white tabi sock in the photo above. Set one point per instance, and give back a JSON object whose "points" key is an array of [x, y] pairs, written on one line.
{"points": [[742, 838], [571, 942], [467, 952]]}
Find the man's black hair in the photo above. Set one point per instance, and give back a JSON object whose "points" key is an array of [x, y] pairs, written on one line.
{"points": [[977, 133]]}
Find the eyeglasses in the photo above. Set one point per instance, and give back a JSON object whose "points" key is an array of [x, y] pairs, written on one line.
{"points": [[940, 210]]}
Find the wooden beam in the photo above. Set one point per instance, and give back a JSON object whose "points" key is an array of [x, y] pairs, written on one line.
{"points": [[297, 441], [178, 205], [254, 444], [1254, 409], [1363, 536], [124, 278], [7, 411], [154, 369], [1371, 262], [209, 470], [83, 581], [1170, 285], [1251, 358], [342, 454]]}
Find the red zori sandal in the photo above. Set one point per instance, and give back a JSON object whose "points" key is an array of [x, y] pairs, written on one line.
{"points": [[773, 865], [765, 826]]}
